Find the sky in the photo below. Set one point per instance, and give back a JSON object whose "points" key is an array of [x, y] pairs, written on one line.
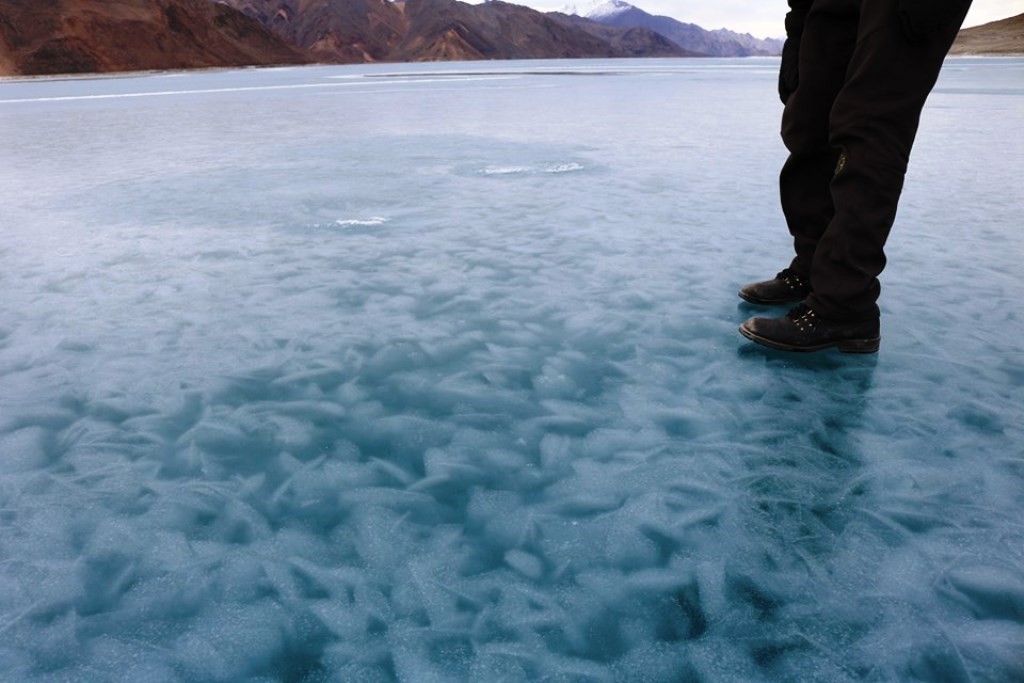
{"points": [[760, 18]]}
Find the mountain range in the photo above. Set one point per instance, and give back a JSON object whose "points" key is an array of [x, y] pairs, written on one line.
{"points": [[430, 30], [81, 36], [718, 43]]}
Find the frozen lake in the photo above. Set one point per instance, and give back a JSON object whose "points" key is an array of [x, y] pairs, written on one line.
{"points": [[431, 373]]}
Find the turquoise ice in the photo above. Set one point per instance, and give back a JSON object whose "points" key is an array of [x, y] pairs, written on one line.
{"points": [[431, 373]]}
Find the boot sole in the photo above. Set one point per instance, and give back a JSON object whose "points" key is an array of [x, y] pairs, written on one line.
{"points": [[844, 345], [768, 302]]}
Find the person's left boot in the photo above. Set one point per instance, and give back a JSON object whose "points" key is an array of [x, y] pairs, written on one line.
{"points": [[804, 330]]}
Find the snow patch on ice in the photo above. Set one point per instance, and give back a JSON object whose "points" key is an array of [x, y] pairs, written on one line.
{"points": [[507, 170], [563, 168], [511, 170], [364, 222]]}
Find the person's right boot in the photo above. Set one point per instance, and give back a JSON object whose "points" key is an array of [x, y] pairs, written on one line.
{"points": [[804, 330], [787, 287]]}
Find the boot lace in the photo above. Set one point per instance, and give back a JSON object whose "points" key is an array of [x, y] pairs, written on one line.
{"points": [[803, 317], [792, 279]]}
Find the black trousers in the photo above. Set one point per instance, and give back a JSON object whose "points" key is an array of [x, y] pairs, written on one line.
{"points": [[849, 127]]}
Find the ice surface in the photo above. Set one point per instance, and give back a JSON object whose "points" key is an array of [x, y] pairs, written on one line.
{"points": [[431, 373]]}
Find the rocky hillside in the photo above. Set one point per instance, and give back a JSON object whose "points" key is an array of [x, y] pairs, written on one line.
{"points": [[82, 36], [1005, 37], [337, 31]]}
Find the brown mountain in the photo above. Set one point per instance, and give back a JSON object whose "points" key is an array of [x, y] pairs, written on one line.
{"points": [[344, 31], [430, 30], [81, 36], [1005, 37]]}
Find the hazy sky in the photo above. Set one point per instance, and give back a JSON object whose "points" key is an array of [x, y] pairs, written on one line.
{"points": [[759, 17]]}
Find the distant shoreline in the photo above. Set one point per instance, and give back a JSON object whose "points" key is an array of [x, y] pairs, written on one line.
{"points": [[142, 73]]}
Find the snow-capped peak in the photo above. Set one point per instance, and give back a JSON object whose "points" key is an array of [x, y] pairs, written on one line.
{"points": [[609, 9], [597, 9]]}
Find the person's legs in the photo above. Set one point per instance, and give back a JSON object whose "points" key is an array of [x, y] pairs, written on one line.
{"points": [[873, 123], [826, 46]]}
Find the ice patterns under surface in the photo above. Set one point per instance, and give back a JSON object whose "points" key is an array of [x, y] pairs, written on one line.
{"points": [[431, 373]]}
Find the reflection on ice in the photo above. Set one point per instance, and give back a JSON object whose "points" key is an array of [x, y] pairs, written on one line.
{"points": [[444, 383]]}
